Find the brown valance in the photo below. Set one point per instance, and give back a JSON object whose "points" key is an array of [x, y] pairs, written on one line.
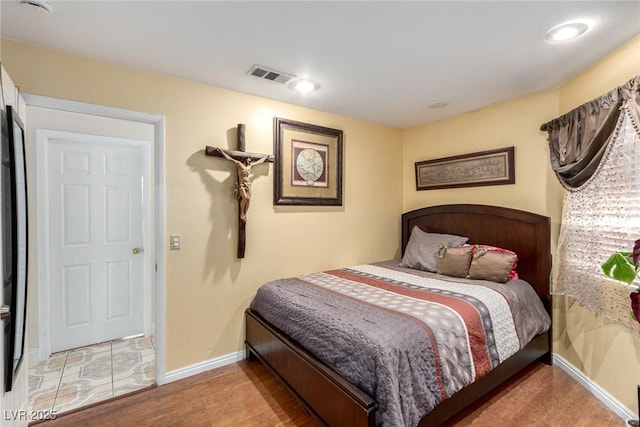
{"points": [[579, 139]]}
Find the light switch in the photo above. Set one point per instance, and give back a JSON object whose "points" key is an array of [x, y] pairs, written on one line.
{"points": [[175, 241]]}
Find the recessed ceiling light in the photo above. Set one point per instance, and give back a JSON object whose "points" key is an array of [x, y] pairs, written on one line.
{"points": [[39, 6], [566, 32], [305, 86]]}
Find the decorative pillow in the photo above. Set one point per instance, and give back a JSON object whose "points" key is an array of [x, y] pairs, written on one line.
{"points": [[491, 263], [422, 249], [455, 261]]}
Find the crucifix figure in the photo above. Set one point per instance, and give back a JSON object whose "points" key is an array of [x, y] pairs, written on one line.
{"points": [[243, 162], [243, 186]]}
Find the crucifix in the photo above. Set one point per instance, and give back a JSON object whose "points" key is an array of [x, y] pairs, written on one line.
{"points": [[244, 162]]}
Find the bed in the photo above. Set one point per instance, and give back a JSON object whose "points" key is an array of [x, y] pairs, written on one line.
{"points": [[336, 401]]}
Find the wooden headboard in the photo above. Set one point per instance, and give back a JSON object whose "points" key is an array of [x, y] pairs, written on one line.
{"points": [[525, 233]]}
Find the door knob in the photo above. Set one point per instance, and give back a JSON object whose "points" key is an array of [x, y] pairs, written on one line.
{"points": [[136, 251]]}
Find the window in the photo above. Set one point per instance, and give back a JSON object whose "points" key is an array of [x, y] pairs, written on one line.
{"points": [[595, 153]]}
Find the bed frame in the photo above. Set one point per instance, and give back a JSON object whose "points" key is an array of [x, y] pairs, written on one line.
{"points": [[334, 401]]}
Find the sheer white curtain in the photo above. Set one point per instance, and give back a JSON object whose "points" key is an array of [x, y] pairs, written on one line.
{"points": [[601, 217]]}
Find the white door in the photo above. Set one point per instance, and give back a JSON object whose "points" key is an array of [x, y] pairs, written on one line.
{"points": [[95, 219]]}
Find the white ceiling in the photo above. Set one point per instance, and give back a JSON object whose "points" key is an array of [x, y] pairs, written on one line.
{"points": [[384, 62]]}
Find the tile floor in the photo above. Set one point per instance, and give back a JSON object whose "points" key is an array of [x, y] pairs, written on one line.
{"points": [[75, 378]]}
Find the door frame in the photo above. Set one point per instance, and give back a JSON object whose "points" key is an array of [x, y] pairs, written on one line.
{"points": [[157, 213]]}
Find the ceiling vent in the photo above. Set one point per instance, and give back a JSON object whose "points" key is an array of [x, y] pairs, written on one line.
{"points": [[266, 73]]}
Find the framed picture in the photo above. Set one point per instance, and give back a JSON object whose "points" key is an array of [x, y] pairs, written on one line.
{"points": [[308, 166], [14, 240], [493, 167]]}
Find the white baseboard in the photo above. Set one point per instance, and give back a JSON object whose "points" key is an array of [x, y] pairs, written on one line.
{"points": [[207, 365], [602, 395]]}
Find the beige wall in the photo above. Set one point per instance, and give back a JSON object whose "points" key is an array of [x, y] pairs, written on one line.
{"points": [[608, 354], [207, 288], [513, 123], [615, 69]]}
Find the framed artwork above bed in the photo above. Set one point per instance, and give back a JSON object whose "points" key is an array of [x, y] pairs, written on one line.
{"points": [[491, 167], [308, 167]]}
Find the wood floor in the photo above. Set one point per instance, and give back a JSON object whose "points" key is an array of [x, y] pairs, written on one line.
{"points": [[247, 394]]}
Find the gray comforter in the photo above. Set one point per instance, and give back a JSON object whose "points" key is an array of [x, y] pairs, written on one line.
{"points": [[407, 338]]}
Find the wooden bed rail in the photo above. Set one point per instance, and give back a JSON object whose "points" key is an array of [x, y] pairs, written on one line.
{"points": [[322, 392]]}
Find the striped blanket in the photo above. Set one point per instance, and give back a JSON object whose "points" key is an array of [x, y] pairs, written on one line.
{"points": [[408, 338]]}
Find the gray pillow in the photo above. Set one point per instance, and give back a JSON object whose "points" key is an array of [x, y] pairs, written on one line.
{"points": [[422, 249]]}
